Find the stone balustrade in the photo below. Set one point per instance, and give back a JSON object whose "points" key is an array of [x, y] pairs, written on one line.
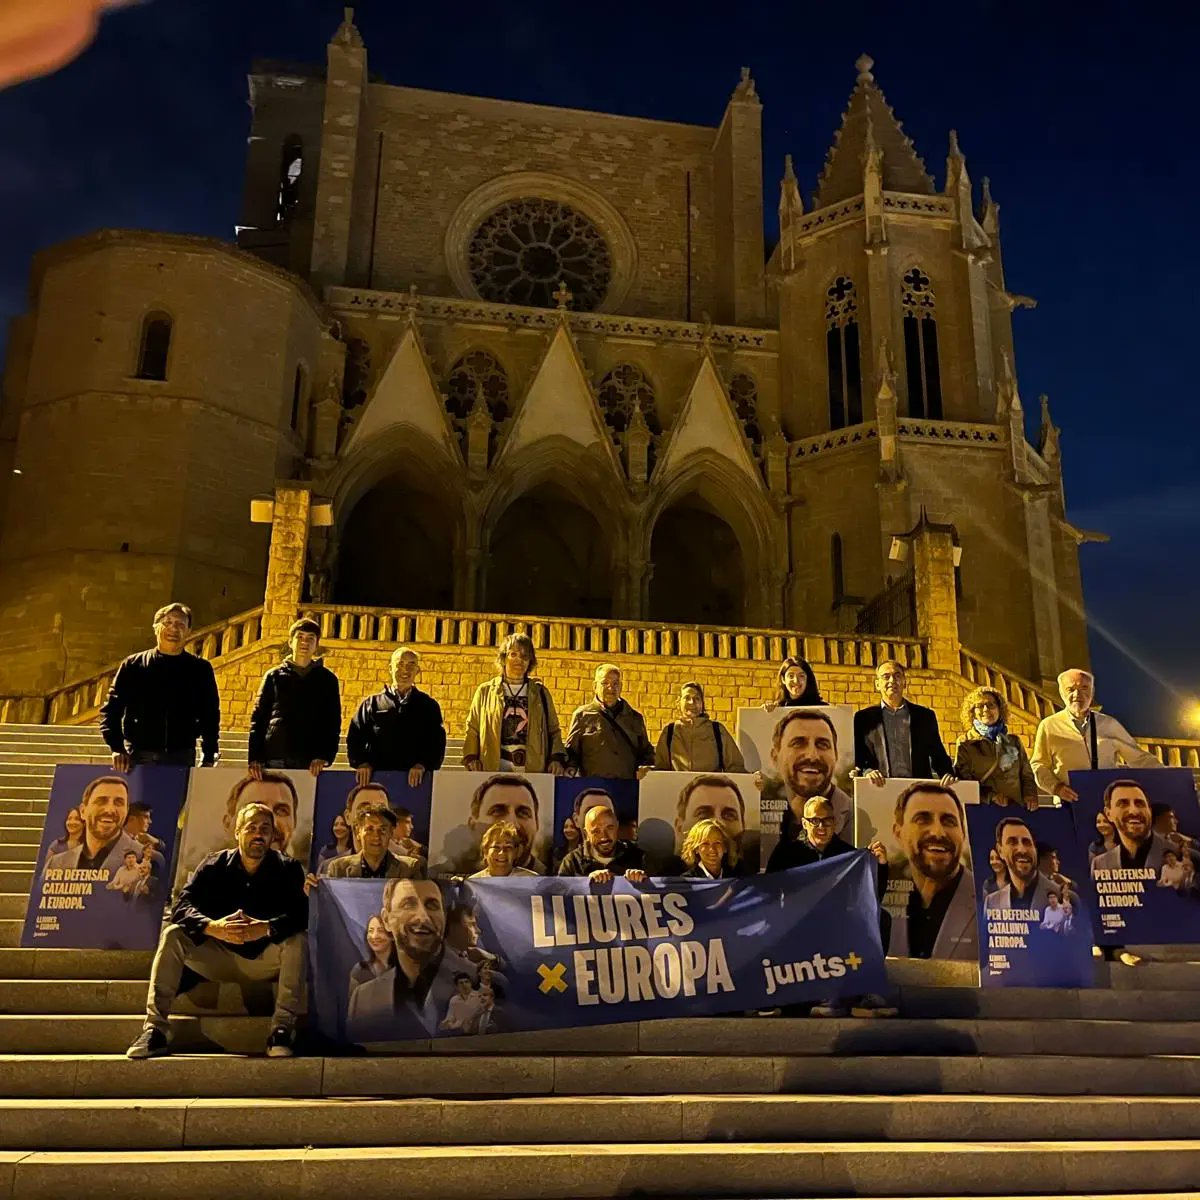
{"points": [[1029, 697]]}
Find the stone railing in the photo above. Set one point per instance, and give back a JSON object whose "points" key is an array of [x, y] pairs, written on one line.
{"points": [[76, 703], [837, 439], [1029, 697], [951, 431], [940, 206], [738, 644], [833, 214], [400, 304], [1174, 752]]}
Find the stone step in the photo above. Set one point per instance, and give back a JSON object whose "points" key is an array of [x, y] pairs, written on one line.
{"points": [[74, 964], [10, 932], [23, 818], [439, 1074], [616, 1169], [20, 787], [18, 853], [15, 879], [19, 835], [12, 904], [160, 1124]]}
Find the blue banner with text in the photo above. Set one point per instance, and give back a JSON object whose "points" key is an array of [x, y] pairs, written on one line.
{"points": [[405, 959]]}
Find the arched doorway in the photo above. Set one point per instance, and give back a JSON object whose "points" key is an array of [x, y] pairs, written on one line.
{"points": [[548, 556], [699, 576], [397, 549]]}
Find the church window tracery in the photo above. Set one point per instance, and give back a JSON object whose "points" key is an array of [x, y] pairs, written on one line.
{"points": [[621, 390], [291, 166], [526, 247], [843, 361], [921, 362], [743, 392]]}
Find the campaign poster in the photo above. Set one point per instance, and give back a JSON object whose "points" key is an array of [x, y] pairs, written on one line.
{"points": [[929, 901], [1033, 898], [814, 758], [216, 794], [104, 866], [340, 797], [1139, 833], [573, 798], [465, 803], [409, 959], [671, 802]]}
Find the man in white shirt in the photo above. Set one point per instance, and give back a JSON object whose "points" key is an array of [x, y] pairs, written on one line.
{"points": [[464, 1006], [1055, 916], [1078, 738]]}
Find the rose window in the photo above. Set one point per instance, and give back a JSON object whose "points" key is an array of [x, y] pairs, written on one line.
{"points": [[526, 247]]}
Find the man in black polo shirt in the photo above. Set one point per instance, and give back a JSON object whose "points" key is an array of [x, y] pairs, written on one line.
{"points": [[602, 855], [241, 918], [373, 830]]}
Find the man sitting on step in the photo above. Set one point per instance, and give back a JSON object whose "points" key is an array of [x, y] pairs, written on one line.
{"points": [[241, 918]]}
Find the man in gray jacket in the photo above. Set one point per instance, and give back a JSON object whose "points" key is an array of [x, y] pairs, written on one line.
{"points": [[1128, 808], [1027, 887]]}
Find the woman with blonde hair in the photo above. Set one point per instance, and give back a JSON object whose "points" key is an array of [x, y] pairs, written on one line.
{"points": [[500, 849], [991, 755], [708, 852], [512, 724]]}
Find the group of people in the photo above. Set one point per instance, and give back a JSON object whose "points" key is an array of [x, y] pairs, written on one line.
{"points": [[164, 700]]}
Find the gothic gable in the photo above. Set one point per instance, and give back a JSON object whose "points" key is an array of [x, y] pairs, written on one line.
{"points": [[406, 394], [706, 425]]}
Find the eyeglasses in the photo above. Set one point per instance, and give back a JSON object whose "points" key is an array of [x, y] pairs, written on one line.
{"points": [[819, 822]]}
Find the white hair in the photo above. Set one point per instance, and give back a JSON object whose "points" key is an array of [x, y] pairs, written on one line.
{"points": [[1075, 671], [604, 668], [399, 653]]}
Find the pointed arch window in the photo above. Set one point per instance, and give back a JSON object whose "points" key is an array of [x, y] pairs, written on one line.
{"points": [[622, 390], [921, 364], [743, 393], [154, 346], [477, 373], [843, 361], [291, 167]]}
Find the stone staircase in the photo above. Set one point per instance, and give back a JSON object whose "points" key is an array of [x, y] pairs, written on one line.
{"points": [[971, 1093]]}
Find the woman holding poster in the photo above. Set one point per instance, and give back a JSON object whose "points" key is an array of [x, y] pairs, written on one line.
{"points": [[991, 755]]}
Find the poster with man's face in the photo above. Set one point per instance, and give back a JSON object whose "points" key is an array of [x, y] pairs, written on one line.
{"points": [[1139, 832], [216, 795], [104, 865], [1033, 898], [930, 896], [574, 797], [465, 803], [340, 798], [671, 802], [801, 753]]}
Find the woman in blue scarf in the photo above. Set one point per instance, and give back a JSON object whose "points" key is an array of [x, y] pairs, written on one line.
{"points": [[991, 755]]}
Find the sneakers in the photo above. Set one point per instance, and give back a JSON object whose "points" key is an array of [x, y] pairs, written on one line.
{"points": [[151, 1043], [281, 1043], [828, 1008], [873, 1006]]}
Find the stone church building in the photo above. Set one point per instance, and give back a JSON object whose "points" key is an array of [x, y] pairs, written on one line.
{"points": [[541, 361]]}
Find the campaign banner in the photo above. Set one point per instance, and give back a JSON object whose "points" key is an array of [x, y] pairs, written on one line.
{"points": [[1033, 898], [465, 803], [104, 866], [1139, 832], [572, 799], [403, 959], [215, 795], [923, 828], [814, 758], [340, 797], [671, 802]]}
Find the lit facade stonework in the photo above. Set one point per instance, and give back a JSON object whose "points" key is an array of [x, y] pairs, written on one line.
{"points": [[660, 422]]}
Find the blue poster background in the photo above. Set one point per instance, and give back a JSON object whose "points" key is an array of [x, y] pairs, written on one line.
{"points": [[624, 793], [108, 906], [1137, 904], [666, 948], [334, 786], [1025, 947]]}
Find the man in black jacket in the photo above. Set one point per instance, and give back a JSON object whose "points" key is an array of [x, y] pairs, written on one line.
{"points": [[602, 855], [897, 739], [162, 700], [398, 729], [241, 918], [296, 723]]}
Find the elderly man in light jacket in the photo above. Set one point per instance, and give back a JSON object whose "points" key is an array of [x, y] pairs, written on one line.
{"points": [[1079, 738]]}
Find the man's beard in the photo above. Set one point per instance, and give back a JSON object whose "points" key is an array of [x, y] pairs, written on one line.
{"points": [[935, 869], [800, 784], [1014, 869], [603, 851], [422, 952], [1139, 835]]}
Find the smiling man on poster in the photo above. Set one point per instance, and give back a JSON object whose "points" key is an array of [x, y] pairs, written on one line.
{"points": [[1027, 887]]}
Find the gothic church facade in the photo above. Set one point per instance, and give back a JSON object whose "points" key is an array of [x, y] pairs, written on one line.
{"points": [[542, 363]]}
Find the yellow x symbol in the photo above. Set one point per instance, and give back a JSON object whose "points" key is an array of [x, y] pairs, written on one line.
{"points": [[552, 978]]}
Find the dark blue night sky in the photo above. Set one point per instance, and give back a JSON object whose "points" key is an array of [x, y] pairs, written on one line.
{"points": [[1082, 115]]}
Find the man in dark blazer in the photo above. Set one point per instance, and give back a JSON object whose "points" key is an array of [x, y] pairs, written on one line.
{"points": [[897, 739]]}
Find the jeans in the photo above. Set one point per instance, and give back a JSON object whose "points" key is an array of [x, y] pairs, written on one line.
{"points": [[283, 961]]}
